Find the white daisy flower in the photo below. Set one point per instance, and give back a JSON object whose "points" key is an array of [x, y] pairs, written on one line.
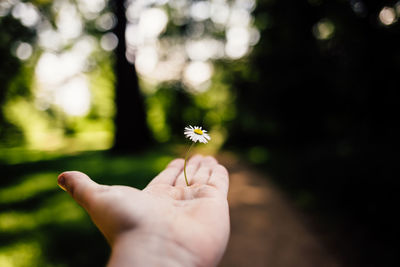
{"points": [[197, 134]]}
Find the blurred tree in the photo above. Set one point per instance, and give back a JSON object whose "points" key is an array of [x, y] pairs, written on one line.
{"points": [[131, 132], [12, 32], [55, 32], [180, 49]]}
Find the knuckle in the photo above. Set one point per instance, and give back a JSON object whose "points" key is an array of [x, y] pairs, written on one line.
{"points": [[222, 169], [90, 193], [197, 157], [210, 159], [176, 162]]}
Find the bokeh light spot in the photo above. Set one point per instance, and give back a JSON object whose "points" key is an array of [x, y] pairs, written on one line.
{"points": [[69, 22], [106, 22], [197, 73], [74, 97], [23, 51], [109, 41], [200, 10], [146, 60], [324, 29], [153, 22], [387, 16], [26, 13]]}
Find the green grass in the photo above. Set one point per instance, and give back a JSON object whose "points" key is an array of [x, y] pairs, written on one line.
{"points": [[40, 225]]}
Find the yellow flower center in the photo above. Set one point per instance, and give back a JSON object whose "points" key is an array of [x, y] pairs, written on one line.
{"points": [[198, 131]]}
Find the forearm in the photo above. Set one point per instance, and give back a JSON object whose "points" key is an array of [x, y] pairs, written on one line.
{"points": [[145, 249]]}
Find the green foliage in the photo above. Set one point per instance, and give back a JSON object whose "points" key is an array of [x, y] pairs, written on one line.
{"points": [[172, 106], [39, 122], [11, 85]]}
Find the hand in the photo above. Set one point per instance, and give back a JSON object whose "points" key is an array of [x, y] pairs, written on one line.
{"points": [[165, 224]]}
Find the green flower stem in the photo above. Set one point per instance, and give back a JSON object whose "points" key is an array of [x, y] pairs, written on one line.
{"points": [[184, 166]]}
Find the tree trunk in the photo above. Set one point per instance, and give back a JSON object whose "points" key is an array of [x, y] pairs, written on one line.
{"points": [[131, 131]]}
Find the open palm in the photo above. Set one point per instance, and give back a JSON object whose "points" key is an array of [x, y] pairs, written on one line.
{"points": [[167, 216]]}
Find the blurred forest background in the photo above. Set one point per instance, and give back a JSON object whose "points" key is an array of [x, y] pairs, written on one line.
{"points": [[301, 89]]}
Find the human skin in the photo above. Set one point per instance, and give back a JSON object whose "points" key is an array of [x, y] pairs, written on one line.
{"points": [[165, 224]]}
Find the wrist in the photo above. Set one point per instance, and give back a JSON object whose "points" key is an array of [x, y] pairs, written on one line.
{"points": [[137, 248]]}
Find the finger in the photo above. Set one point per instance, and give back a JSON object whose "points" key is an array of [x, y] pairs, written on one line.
{"points": [[80, 187], [169, 174], [191, 168], [203, 173], [219, 178]]}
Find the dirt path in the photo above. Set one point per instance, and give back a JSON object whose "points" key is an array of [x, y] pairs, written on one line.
{"points": [[265, 229]]}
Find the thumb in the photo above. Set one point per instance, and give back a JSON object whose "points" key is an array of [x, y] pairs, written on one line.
{"points": [[79, 186]]}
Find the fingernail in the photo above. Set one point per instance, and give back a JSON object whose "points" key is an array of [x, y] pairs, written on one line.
{"points": [[61, 182]]}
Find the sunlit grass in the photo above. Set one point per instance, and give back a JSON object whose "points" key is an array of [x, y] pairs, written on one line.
{"points": [[21, 155], [56, 210], [29, 187], [23, 253], [39, 222]]}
